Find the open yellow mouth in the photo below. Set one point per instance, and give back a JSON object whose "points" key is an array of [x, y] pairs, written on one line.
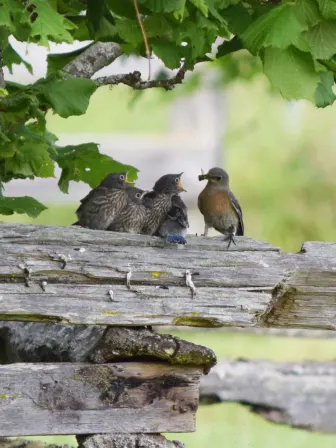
{"points": [[180, 186], [126, 178]]}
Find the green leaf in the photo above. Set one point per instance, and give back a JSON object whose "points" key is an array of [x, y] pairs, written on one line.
{"points": [[168, 52], [31, 158], [201, 5], [292, 72], [279, 28], [328, 8], [322, 39], [3, 93], [129, 30], [123, 9], [324, 95], [57, 61], [85, 163], [164, 5], [69, 96], [101, 23], [238, 18], [11, 57], [307, 11], [229, 46], [47, 24], [9, 9], [23, 205]]}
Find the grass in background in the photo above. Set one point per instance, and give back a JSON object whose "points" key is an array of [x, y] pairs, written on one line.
{"points": [[117, 110], [282, 161]]}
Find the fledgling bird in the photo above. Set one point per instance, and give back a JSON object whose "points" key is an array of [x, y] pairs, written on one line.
{"points": [[219, 206], [134, 215], [159, 201], [100, 208], [176, 222]]}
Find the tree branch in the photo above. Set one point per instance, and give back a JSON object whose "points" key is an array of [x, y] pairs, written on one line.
{"points": [[2, 77], [94, 58], [134, 80]]}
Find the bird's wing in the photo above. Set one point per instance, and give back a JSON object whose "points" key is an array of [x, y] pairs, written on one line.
{"points": [[200, 202], [238, 210], [179, 211]]}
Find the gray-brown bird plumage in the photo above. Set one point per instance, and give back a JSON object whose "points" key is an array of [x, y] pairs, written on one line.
{"points": [[159, 201], [176, 222], [134, 215], [219, 206], [101, 207]]}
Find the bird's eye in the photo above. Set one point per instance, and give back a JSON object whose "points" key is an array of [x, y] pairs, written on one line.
{"points": [[177, 180], [218, 178], [122, 177], [138, 195]]}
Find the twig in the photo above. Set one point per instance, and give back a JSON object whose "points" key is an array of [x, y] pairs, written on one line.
{"points": [[2, 76], [128, 277], [190, 283], [134, 80], [143, 32]]}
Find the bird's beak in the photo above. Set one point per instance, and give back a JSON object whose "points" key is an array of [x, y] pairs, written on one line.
{"points": [[144, 194], [126, 177], [180, 186], [203, 177]]}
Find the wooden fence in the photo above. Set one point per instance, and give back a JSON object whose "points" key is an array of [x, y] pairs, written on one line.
{"points": [[85, 360]]}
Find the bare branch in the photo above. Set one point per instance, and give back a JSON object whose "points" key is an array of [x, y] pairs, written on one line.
{"points": [[134, 80], [299, 394], [144, 36], [93, 59], [2, 77]]}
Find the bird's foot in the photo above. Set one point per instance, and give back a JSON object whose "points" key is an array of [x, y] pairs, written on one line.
{"points": [[231, 233], [177, 239]]}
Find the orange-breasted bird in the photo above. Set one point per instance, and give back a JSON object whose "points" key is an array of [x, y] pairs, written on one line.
{"points": [[219, 206]]}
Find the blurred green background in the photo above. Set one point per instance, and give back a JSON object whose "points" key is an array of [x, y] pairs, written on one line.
{"points": [[282, 165]]}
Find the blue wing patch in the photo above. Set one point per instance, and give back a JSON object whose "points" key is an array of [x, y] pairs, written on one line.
{"points": [[177, 239]]}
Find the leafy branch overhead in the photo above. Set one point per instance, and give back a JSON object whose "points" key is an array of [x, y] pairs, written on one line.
{"points": [[294, 42]]}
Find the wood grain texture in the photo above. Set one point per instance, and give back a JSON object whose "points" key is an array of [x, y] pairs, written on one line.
{"points": [[35, 342], [301, 395], [127, 441], [38, 399], [251, 285], [21, 443]]}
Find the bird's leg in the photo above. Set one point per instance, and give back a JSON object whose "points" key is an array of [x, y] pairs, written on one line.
{"points": [[206, 230], [230, 234]]}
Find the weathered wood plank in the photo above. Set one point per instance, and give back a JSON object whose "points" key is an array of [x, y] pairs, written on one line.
{"points": [[301, 395], [21, 443], [101, 441], [35, 342], [37, 399], [252, 285], [129, 441]]}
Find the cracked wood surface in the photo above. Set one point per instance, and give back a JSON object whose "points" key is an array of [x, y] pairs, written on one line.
{"points": [[299, 394], [251, 285], [101, 441], [46, 399]]}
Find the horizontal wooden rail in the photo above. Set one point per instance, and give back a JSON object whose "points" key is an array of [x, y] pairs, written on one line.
{"points": [[37, 399], [79, 276], [299, 394]]}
